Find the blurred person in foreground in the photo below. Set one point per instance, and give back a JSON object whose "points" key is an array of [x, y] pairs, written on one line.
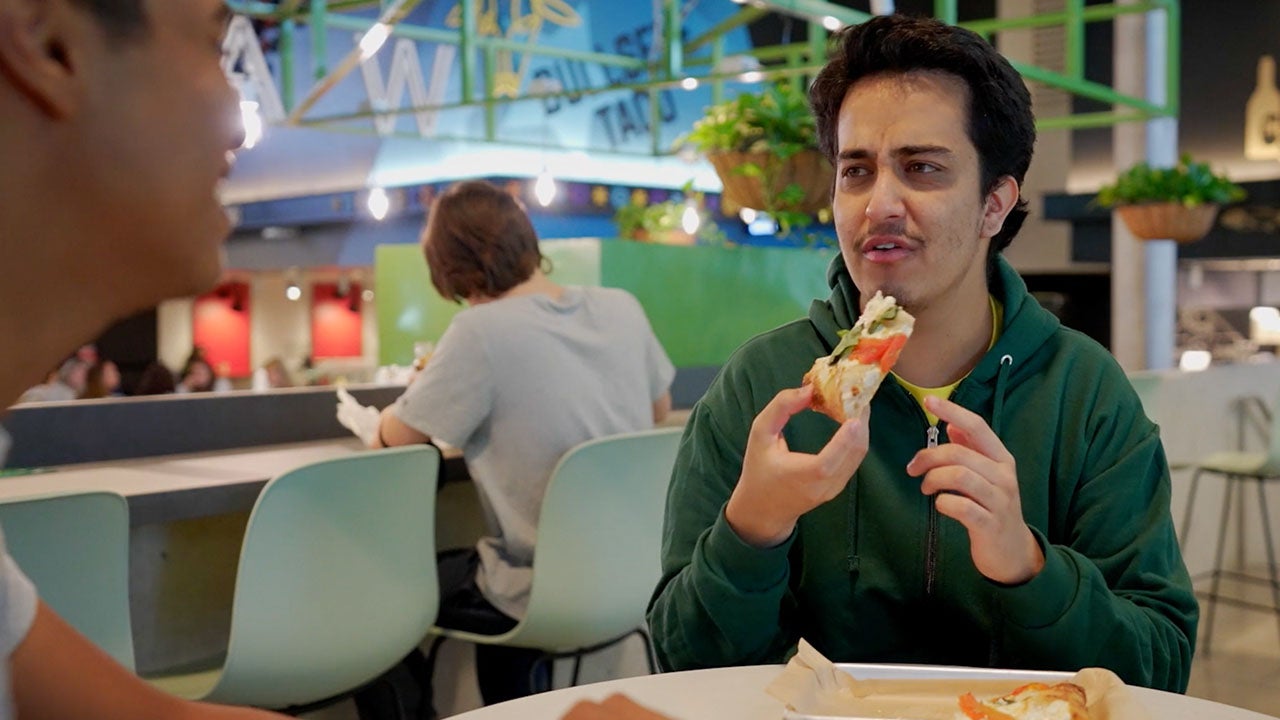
{"points": [[527, 371], [93, 91], [1005, 501]]}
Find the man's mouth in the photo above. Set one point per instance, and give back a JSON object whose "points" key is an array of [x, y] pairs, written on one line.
{"points": [[885, 249]]}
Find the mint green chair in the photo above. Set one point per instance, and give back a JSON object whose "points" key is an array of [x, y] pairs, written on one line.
{"points": [[75, 548], [1238, 467], [596, 557], [336, 582]]}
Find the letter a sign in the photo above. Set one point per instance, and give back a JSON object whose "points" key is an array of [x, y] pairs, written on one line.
{"points": [[1262, 115]]}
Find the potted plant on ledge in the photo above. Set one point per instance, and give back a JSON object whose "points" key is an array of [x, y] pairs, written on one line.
{"points": [[1178, 203], [764, 148]]}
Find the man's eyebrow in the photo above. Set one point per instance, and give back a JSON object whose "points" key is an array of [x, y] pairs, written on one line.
{"points": [[899, 152]]}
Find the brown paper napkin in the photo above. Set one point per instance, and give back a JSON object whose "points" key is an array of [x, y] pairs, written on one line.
{"points": [[812, 686]]}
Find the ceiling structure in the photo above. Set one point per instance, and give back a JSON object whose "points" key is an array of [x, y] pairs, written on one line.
{"points": [[317, 51]]}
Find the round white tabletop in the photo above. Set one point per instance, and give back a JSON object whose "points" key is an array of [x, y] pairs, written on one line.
{"points": [[738, 693]]}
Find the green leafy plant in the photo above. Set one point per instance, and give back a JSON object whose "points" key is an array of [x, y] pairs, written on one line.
{"points": [[1189, 183], [777, 121], [778, 125]]}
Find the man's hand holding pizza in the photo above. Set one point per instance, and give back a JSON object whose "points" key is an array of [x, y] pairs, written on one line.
{"points": [[976, 481], [777, 485]]}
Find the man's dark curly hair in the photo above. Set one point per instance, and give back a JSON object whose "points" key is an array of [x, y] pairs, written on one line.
{"points": [[1001, 124]]}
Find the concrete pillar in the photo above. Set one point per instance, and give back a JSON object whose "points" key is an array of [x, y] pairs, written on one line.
{"points": [[1128, 264]]}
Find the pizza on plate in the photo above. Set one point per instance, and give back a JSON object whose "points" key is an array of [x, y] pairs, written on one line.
{"points": [[1033, 701]]}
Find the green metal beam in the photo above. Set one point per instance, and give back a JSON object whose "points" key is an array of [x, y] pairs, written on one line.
{"points": [[1089, 120], [319, 40], [747, 15], [1090, 13], [466, 48], [1074, 32], [946, 11], [673, 55], [1089, 89]]}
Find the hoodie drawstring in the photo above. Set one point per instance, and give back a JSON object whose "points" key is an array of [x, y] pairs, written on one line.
{"points": [[997, 413]]}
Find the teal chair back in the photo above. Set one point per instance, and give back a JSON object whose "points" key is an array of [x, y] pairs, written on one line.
{"points": [[337, 578], [596, 558], [75, 548]]}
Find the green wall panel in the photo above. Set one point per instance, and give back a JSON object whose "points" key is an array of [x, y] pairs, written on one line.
{"points": [[409, 308], [705, 301]]}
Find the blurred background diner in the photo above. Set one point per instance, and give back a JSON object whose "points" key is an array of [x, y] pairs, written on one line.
{"points": [[582, 111]]}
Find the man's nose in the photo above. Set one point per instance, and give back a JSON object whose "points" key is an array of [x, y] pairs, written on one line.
{"points": [[885, 201]]}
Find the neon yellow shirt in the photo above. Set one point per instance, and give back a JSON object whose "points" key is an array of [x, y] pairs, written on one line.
{"points": [[920, 393]]}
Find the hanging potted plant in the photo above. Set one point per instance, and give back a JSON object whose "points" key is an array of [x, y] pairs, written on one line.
{"points": [[764, 148], [669, 222], [1178, 203]]}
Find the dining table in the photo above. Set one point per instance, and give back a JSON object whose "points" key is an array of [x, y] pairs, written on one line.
{"points": [[738, 693]]}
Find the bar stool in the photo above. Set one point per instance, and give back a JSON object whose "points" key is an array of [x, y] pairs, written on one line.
{"points": [[1238, 467]]}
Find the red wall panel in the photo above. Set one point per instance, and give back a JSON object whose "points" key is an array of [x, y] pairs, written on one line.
{"points": [[220, 326], [336, 325]]}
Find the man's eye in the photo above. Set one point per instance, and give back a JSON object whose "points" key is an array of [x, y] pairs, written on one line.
{"points": [[856, 171], [922, 167]]}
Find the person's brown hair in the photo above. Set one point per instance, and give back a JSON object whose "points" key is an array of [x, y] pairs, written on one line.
{"points": [[479, 242]]}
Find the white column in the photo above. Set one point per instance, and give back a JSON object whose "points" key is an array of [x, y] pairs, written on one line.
{"points": [[1161, 256], [1128, 272]]}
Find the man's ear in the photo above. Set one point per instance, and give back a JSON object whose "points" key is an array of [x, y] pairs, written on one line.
{"points": [[36, 55], [1002, 198]]}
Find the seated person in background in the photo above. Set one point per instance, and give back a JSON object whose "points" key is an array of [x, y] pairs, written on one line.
{"points": [[196, 376], [156, 379], [529, 370], [102, 380], [277, 373], [116, 119], [1005, 502], [65, 383]]}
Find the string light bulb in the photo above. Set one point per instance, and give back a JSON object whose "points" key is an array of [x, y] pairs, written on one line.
{"points": [[374, 40], [292, 291], [379, 203], [689, 219], [544, 189]]}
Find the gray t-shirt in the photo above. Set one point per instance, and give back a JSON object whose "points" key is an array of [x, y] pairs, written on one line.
{"points": [[17, 608], [517, 382]]}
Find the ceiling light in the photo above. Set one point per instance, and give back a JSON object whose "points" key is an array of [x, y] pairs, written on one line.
{"points": [[753, 76], [689, 83], [544, 189], [379, 204], [832, 23], [374, 40], [292, 291], [1195, 360]]}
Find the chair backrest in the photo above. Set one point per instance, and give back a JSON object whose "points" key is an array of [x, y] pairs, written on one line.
{"points": [[596, 558], [75, 548], [337, 578]]}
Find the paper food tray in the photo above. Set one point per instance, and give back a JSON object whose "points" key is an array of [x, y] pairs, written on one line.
{"points": [[812, 688]]}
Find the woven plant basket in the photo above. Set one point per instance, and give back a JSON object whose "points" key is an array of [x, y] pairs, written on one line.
{"points": [[808, 169], [1169, 221], [665, 237]]}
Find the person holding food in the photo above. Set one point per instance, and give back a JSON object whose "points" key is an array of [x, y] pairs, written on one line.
{"points": [[997, 499], [527, 371]]}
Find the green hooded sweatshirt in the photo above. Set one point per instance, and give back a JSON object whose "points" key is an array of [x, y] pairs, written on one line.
{"points": [[877, 575]]}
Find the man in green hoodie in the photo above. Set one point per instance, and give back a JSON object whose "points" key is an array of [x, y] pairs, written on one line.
{"points": [[1005, 501]]}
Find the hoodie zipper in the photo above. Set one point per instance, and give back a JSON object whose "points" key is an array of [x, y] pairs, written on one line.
{"points": [[931, 549]]}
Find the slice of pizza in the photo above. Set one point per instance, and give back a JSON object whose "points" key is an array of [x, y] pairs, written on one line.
{"points": [[844, 381], [1033, 701]]}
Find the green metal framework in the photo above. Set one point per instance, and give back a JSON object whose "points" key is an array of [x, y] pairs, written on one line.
{"points": [[696, 58]]}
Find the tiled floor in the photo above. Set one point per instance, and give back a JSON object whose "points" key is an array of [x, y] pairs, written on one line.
{"points": [[1243, 666]]}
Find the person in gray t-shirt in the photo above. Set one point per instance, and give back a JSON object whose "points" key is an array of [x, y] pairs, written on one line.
{"points": [[527, 371]]}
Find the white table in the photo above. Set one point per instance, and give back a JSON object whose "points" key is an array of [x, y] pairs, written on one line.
{"points": [[179, 487], [738, 694]]}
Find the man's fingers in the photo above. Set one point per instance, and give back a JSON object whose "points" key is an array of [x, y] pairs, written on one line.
{"points": [[962, 482], [974, 431], [953, 454], [769, 423], [844, 452]]}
